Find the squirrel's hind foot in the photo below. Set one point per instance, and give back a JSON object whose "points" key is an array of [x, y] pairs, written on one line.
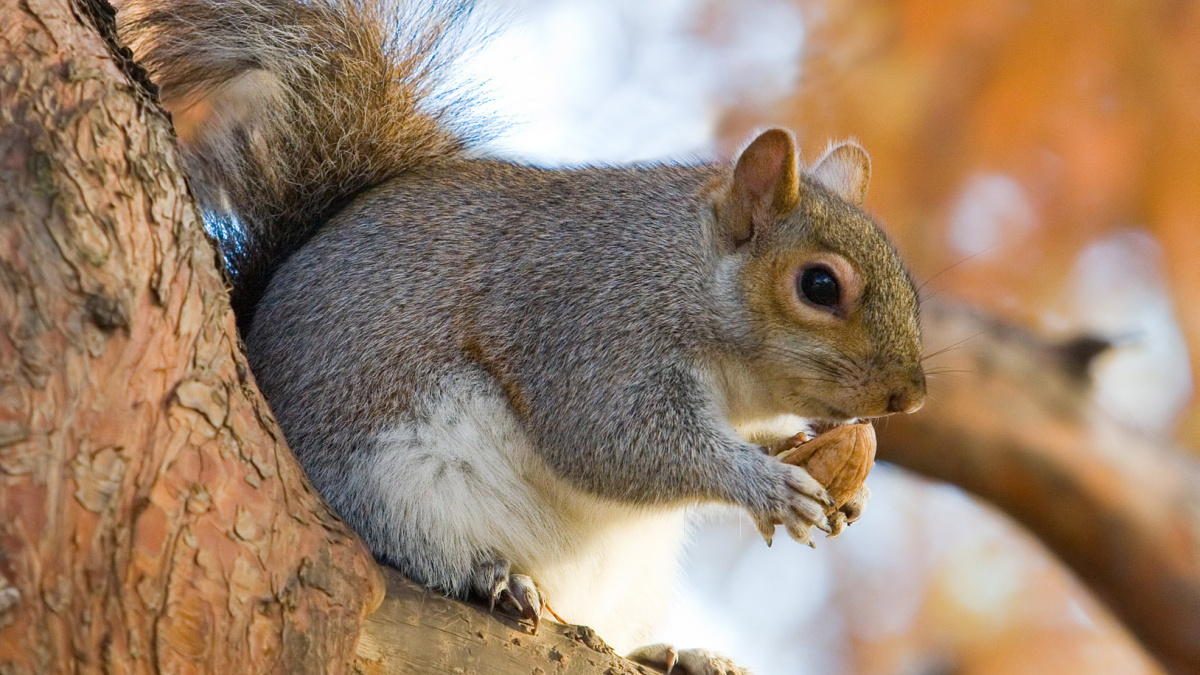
{"points": [[494, 581], [685, 662]]}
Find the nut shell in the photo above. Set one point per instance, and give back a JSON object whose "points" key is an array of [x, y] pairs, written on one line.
{"points": [[839, 459]]}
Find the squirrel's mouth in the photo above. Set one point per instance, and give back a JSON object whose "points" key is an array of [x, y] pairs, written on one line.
{"points": [[833, 417], [813, 429], [819, 427]]}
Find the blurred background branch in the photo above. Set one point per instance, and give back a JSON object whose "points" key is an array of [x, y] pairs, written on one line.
{"points": [[1014, 423]]}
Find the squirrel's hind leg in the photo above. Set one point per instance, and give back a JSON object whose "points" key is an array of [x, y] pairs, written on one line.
{"points": [[445, 497]]}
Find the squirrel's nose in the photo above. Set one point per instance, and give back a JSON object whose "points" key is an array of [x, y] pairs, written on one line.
{"points": [[908, 399], [904, 402]]}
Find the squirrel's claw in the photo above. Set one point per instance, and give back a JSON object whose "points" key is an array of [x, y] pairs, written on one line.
{"points": [[802, 482], [854, 508], [524, 596], [685, 662], [848, 512], [837, 523], [802, 534], [766, 527], [490, 580], [824, 524], [493, 581], [801, 506], [497, 594], [660, 656]]}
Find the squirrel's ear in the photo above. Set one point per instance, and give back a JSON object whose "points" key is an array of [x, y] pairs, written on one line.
{"points": [[845, 170], [766, 183]]}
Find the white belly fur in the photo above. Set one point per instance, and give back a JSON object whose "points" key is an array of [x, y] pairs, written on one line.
{"points": [[469, 478]]}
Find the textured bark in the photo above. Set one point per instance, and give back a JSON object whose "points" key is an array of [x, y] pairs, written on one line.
{"points": [[1011, 420], [152, 517], [418, 631]]}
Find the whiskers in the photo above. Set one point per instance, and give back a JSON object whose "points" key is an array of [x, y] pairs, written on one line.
{"points": [[934, 377], [794, 378], [836, 367], [920, 289], [943, 350]]}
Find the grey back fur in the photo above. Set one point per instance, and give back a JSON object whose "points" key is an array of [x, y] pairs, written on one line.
{"points": [[577, 294]]}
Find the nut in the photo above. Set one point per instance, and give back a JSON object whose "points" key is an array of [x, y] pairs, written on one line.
{"points": [[839, 459]]}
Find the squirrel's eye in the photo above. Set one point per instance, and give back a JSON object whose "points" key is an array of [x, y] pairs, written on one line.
{"points": [[819, 286]]}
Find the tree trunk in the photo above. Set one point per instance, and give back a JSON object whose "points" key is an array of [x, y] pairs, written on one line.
{"points": [[153, 519]]}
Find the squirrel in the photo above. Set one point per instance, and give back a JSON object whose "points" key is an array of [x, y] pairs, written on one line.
{"points": [[513, 381]]}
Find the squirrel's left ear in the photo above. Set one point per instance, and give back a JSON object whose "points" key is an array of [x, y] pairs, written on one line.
{"points": [[766, 184], [846, 170]]}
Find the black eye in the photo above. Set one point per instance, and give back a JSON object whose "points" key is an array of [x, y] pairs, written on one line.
{"points": [[818, 286]]}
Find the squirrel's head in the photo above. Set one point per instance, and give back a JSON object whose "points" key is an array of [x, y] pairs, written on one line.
{"points": [[833, 309]]}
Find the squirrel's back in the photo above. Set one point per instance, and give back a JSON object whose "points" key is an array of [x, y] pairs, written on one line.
{"points": [[561, 262], [286, 109]]}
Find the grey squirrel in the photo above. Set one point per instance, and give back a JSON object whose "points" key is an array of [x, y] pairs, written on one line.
{"points": [[512, 381]]}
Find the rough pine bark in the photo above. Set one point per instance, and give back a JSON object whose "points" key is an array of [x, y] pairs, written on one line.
{"points": [[151, 517], [419, 631]]}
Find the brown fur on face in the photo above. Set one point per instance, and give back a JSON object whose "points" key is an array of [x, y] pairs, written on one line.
{"points": [[860, 359]]}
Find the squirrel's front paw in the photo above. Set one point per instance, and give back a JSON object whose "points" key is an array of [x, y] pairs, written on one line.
{"points": [[799, 504], [495, 583], [849, 512], [685, 662]]}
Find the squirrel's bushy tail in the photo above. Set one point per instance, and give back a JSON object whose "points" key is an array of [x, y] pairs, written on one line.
{"points": [[287, 108]]}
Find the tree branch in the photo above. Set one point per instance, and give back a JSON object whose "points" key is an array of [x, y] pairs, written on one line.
{"points": [[419, 631], [1014, 423]]}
